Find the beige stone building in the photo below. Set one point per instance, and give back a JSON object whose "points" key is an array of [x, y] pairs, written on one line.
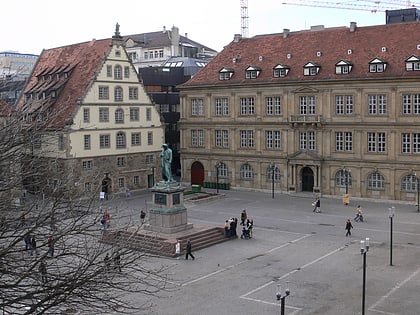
{"points": [[327, 111], [102, 131]]}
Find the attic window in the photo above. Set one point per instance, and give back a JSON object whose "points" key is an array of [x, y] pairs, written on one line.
{"points": [[225, 74], [280, 71], [412, 63], [343, 67], [377, 65], [252, 72], [311, 69], [118, 53]]}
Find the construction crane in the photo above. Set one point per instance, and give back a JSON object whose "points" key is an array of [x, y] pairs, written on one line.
{"points": [[244, 18], [361, 5]]}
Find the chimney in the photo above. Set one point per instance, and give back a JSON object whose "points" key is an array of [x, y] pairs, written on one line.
{"points": [[186, 35], [353, 26], [164, 29], [286, 32], [237, 38]]}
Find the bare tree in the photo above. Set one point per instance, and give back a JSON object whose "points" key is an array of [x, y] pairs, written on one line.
{"points": [[51, 259]]}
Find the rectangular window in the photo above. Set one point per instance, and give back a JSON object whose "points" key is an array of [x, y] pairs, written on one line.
{"points": [[411, 104], [136, 138], [146, 55], [247, 106], [406, 143], [86, 142], [103, 92], [376, 142], [134, 114], [197, 107], [88, 187], [377, 104], [307, 105], [61, 142], [344, 104], [121, 183], [222, 138], [120, 161], [104, 141], [87, 165], [126, 72], [86, 115], [148, 114], [222, 106], [133, 93], [150, 158], [273, 105], [344, 141], [136, 180], [307, 140], [197, 138], [109, 71], [103, 114], [247, 139], [150, 138], [273, 139]]}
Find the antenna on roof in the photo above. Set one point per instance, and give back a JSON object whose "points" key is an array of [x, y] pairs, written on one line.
{"points": [[244, 18]]}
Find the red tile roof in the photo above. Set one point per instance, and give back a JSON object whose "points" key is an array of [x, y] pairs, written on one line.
{"points": [[81, 61], [400, 41]]}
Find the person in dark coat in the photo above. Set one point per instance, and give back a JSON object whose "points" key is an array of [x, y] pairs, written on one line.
{"points": [[188, 251], [317, 205], [348, 227], [244, 216]]}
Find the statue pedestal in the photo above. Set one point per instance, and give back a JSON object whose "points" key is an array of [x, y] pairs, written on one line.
{"points": [[168, 214]]}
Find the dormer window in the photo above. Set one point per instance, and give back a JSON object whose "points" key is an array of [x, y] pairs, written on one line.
{"points": [[311, 68], [280, 71], [343, 67], [412, 64], [252, 72], [377, 65], [225, 74]]}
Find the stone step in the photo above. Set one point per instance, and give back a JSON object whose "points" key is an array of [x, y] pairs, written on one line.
{"points": [[164, 245]]}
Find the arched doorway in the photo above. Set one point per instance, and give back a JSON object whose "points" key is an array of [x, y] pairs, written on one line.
{"points": [[197, 174], [307, 179], [106, 185]]}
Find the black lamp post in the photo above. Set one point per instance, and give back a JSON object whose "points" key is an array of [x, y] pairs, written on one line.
{"points": [[218, 164], [153, 176], [346, 179], [418, 194], [282, 298], [391, 217], [364, 248], [272, 169]]}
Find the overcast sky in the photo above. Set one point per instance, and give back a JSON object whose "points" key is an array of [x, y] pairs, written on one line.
{"points": [[28, 26]]}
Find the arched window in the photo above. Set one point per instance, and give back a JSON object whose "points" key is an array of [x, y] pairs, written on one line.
{"points": [[222, 170], [120, 140], [409, 183], [376, 181], [343, 178], [119, 116], [118, 72], [269, 174], [246, 172], [118, 93]]}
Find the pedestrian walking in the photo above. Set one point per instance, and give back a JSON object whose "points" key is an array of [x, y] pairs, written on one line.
{"points": [[142, 216], [42, 268], [317, 205], [117, 261], [33, 246], [348, 227], [27, 240], [359, 216], [188, 251], [107, 263], [244, 216], [50, 243]]}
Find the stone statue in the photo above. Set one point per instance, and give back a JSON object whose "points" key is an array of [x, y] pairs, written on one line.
{"points": [[166, 158]]}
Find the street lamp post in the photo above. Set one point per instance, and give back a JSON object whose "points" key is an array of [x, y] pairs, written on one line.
{"points": [[346, 178], [272, 169], [218, 164], [391, 217], [282, 298], [364, 248], [153, 176], [418, 194]]}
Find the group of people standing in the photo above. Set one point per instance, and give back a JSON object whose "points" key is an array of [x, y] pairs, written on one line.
{"points": [[246, 223]]}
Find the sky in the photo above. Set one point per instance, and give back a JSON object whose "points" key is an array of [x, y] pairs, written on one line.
{"points": [[29, 26]]}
